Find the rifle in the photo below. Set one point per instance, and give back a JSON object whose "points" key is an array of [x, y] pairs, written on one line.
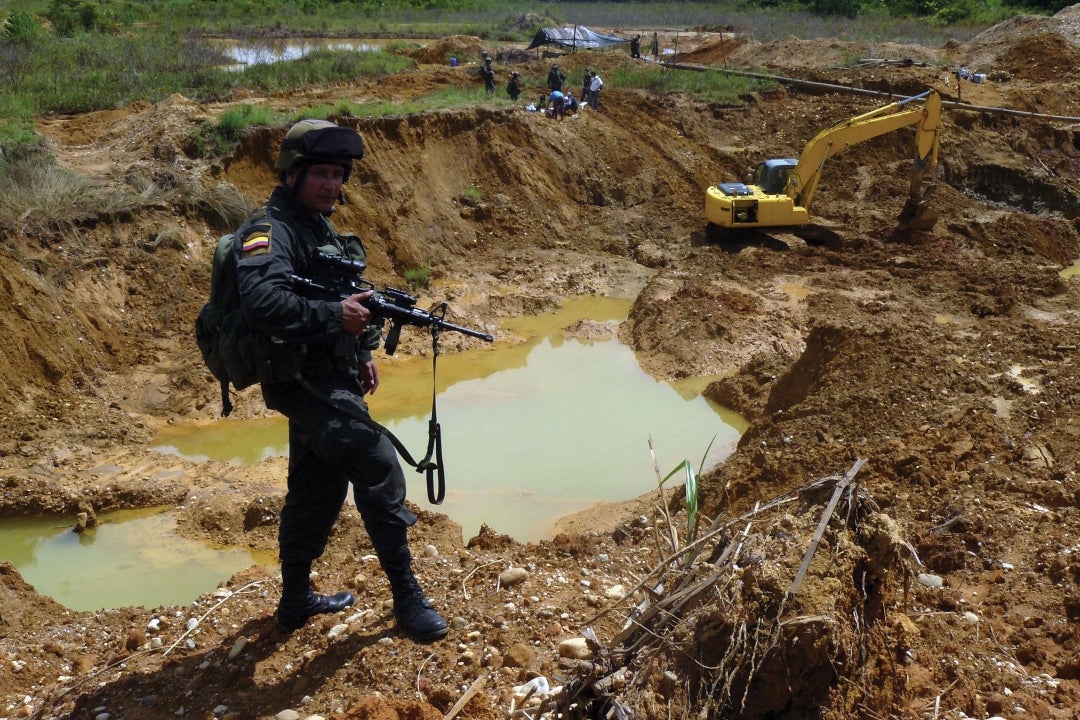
{"points": [[389, 304], [399, 308]]}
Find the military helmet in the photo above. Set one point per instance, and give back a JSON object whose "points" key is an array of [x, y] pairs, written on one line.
{"points": [[319, 141]]}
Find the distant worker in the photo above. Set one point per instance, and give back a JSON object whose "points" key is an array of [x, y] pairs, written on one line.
{"points": [[513, 87], [635, 47], [655, 47], [570, 104], [555, 78], [558, 105], [489, 77], [586, 80], [595, 86]]}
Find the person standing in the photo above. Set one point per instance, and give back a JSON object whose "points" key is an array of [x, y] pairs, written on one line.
{"points": [[655, 47], [332, 442], [595, 86], [555, 79], [489, 77], [635, 47], [586, 81], [513, 87]]}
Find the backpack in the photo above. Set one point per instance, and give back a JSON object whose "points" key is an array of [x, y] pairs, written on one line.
{"points": [[236, 354]]}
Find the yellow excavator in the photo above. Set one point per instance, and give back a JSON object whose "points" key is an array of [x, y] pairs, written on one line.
{"points": [[780, 191]]}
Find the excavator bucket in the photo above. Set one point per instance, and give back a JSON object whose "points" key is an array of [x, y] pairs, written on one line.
{"points": [[917, 215]]}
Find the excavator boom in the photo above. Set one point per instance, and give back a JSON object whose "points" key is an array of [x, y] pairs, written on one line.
{"points": [[781, 191]]}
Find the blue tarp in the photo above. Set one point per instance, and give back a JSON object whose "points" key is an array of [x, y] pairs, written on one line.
{"points": [[574, 37]]}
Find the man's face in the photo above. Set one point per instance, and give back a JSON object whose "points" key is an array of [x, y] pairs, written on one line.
{"points": [[321, 185]]}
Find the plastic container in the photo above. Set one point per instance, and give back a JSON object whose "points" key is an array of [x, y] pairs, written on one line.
{"points": [[453, 62]]}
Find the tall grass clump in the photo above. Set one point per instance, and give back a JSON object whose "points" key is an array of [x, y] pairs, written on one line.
{"points": [[93, 72], [37, 196]]}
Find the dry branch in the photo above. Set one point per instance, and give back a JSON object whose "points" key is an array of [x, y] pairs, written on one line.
{"points": [[662, 609]]}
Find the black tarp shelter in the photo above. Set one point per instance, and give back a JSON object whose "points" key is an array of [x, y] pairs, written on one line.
{"points": [[574, 37]]}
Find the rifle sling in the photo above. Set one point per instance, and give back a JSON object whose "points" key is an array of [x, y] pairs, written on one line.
{"points": [[436, 475]]}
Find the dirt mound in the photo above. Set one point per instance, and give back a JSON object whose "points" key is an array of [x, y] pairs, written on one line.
{"points": [[466, 48], [1045, 57]]}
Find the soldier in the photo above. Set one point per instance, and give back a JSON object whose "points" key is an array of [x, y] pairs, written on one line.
{"points": [[331, 446], [489, 76], [555, 78], [513, 87]]}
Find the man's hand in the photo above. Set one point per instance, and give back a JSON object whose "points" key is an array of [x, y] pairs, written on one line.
{"points": [[354, 316], [369, 377]]}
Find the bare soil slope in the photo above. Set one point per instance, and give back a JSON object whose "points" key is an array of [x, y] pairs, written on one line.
{"points": [[922, 383]]}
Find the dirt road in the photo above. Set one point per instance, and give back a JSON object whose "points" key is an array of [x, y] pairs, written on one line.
{"points": [[930, 377]]}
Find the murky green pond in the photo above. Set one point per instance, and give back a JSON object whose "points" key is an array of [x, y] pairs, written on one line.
{"points": [[133, 557]]}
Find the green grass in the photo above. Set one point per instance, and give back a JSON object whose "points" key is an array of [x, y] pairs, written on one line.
{"points": [[94, 72], [418, 277], [705, 86], [444, 99]]}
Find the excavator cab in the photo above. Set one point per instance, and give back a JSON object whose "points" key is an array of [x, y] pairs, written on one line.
{"points": [[772, 175]]}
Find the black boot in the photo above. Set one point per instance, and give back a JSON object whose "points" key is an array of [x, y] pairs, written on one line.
{"points": [[413, 612], [299, 602]]}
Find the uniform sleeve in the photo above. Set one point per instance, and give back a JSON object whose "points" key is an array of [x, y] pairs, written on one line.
{"points": [[269, 255]]}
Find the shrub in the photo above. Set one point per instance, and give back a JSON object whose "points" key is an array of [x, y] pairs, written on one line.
{"points": [[418, 276], [219, 139], [21, 26], [69, 17]]}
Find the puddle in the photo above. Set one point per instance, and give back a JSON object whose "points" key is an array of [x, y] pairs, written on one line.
{"points": [[1032, 387], [132, 558], [531, 432], [245, 53]]}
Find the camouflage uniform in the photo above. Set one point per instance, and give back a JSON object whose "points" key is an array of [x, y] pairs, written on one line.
{"points": [[331, 447]]}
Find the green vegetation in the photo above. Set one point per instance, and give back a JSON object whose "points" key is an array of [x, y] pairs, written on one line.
{"points": [[220, 138], [418, 277], [472, 193], [494, 19], [40, 196], [690, 493], [707, 86], [21, 26]]}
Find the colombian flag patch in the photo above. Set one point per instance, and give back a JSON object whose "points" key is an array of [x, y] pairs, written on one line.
{"points": [[256, 244]]}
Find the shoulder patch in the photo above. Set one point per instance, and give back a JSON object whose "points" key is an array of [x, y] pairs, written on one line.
{"points": [[258, 243]]}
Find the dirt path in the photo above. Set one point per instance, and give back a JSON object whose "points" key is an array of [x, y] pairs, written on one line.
{"points": [[945, 361]]}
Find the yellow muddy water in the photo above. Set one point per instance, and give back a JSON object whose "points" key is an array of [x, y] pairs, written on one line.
{"points": [[133, 557], [532, 430]]}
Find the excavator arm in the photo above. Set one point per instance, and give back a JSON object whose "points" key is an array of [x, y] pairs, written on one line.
{"points": [[803, 180], [782, 190]]}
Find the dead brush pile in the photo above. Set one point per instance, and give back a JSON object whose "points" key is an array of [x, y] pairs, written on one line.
{"points": [[773, 613]]}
